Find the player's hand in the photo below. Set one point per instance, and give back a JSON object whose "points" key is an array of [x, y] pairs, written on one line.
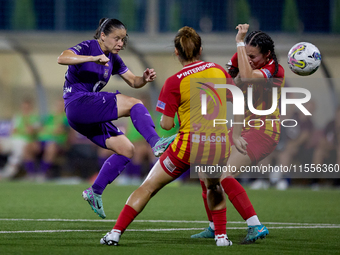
{"points": [[242, 32], [149, 75], [238, 80], [240, 144], [101, 60]]}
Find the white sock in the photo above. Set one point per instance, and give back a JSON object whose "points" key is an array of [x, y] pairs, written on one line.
{"points": [[253, 221], [212, 225]]}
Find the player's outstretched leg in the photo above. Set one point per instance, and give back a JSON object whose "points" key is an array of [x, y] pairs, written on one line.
{"points": [[254, 233], [95, 201], [144, 124]]}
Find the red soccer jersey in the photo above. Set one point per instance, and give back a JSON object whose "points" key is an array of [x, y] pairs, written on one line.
{"points": [[262, 99], [198, 141]]}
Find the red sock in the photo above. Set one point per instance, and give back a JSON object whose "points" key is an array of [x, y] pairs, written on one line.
{"points": [[204, 196], [220, 221], [126, 216], [238, 197]]}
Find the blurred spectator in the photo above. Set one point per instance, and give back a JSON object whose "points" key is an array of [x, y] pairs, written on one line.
{"points": [[5, 140], [299, 144], [25, 126], [296, 145], [81, 156], [328, 148], [51, 142]]}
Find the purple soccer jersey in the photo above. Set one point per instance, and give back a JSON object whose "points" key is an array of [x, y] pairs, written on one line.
{"points": [[89, 111], [89, 76]]}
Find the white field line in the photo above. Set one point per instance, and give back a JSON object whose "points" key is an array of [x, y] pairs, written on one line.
{"points": [[294, 225], [154, 229], [174, 221]]}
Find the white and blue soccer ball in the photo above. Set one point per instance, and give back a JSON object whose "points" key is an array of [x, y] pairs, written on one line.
{"points": [[304, 58]]}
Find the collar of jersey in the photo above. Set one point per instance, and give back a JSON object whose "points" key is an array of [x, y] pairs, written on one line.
{"points": [[198, 62]]}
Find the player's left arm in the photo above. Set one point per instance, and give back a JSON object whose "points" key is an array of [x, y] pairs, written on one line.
{"points": [[134, 81], [168, 103]]}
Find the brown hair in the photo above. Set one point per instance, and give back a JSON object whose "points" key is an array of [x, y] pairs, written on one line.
{"points": [[188, 43]]}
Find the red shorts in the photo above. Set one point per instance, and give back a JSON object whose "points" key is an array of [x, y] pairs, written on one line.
{"points": [[172, 165], [259, 146]]}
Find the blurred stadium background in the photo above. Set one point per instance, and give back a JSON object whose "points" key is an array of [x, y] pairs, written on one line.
{"points": [[52, 219], [33, 33]]}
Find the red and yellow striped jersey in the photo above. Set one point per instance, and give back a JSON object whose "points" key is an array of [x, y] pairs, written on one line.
{"points": [[262, 100], [198, 141]]}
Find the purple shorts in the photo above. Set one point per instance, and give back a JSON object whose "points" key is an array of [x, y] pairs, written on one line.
{"points": [[91, 113]]}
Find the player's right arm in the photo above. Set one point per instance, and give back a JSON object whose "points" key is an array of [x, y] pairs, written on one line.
{"points": [[68, 57], [167, 122], [239, 142]]}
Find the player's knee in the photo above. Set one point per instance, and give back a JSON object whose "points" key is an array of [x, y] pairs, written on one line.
{"points": [[120, 145], [151, 188], [213, 185], [127, 150], [134, 101]]}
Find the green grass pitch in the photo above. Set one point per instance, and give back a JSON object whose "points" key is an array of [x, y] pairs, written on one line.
{"points": [[54, 219]]}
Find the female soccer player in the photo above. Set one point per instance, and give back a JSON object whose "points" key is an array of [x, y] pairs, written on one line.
{"points": [[90, 112], [181, 93], [256, 65]]}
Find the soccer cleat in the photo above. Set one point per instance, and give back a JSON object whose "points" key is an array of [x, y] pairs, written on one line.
{"points": [[206, 233], [111, 238], [95, 201], [222, 240], [254, 233], [162, 145]]}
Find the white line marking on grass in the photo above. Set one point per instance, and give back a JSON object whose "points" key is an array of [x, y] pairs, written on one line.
{"points": [[96, 230], [154, 229], [48, 231], [174, 221], [287, 225], [181, 229], [298, 224]]}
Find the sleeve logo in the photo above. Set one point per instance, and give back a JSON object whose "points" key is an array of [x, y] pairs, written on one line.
{"points": [[267, 72], [161, 104]]}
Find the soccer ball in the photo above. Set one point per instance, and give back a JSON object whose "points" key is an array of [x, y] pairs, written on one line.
{"points": [[304, 58]]}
